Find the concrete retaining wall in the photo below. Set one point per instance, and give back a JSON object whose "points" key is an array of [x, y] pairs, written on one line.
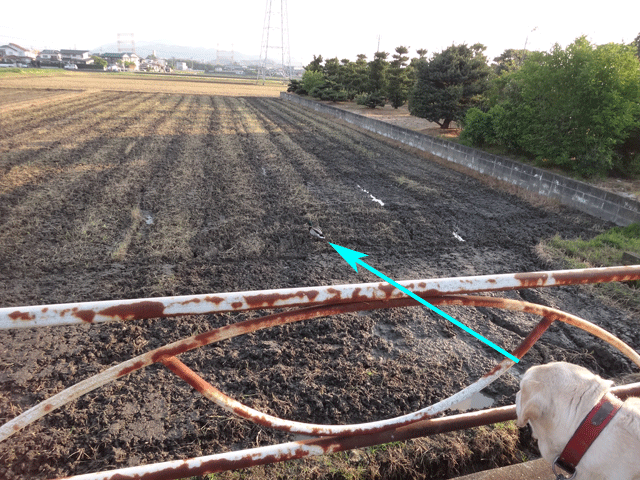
{"points": [[587, 198]]}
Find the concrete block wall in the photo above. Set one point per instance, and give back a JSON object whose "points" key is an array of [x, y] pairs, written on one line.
{"points": [[609, 206]]}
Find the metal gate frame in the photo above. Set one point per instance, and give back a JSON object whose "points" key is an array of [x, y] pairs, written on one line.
{"points": [[316, 302]]}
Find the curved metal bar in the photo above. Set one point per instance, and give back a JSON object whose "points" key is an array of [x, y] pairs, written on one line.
{"points": [[221, 462], [163, 354], [151, 357], [104, 311], [550, 314], [255, 416], [316, 430], [224, 333]]}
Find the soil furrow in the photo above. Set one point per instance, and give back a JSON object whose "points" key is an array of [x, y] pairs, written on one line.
{"points": [[79, 195], [15, 98], [161, 194], [64, 146], [50, 117]]}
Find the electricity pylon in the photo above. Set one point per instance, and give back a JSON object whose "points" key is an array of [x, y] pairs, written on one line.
{"points": [[275, 21]]}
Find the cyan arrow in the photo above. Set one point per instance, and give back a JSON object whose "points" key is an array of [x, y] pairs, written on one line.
{"points": [[353, 258]]}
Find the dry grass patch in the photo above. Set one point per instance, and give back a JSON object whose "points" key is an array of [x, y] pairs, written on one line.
{"points": [[191, 85], [413, 185]]}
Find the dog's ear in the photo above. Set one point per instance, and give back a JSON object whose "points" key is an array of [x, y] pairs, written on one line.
{"points": [[529, 402]]}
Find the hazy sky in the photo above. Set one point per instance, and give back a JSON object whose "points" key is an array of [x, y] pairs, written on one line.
{"points": [[332, 28]]}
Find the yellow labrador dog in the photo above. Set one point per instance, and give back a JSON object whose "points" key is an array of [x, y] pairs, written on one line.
{"points": [[557, 397]]}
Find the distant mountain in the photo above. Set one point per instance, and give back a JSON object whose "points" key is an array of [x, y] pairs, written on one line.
{"points": [[163, 50]]}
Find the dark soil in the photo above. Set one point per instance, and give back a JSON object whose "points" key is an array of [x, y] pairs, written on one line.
{"points": [[122, 195]]}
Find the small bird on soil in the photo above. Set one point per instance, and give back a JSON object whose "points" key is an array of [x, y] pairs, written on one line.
{"points": [[315, 231]]}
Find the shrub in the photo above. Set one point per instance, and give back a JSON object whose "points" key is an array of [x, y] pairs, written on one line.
{"points": [[295, 86], [330, 91], [311, 81], [371, 100], [571, 108], [477, 128]]}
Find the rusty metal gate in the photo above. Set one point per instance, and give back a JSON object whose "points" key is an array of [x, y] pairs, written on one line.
{"points": [[305, 304]]}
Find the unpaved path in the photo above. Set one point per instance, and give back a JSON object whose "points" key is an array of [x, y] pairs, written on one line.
{"points": [[128, 195]]}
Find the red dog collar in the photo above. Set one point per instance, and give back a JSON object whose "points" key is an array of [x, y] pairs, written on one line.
{"points": [[587, 432]]}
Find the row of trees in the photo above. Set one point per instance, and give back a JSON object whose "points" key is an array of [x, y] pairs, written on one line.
{"points": [[440, 89], [369, 83], [576, 108]]}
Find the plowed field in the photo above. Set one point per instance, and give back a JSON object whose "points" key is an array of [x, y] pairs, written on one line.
{"points": [[109, 194]]}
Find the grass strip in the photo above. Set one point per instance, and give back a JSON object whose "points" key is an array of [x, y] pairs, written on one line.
{"points": [[604, 250]]}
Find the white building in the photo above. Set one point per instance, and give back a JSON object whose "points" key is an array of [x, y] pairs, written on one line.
{"points": [[50, 55], [76, 56], [16, 53], [121, 59]]}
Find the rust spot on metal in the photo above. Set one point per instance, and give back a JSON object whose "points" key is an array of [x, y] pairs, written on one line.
{"points": [[48, 407], [334, 292], [311, 295], [181, 471], [192, 300], [430, 293], [611, 274], [236, 305], [389, 289], [126, 371], [134, 311], [531, 280], [173, 350], [357, 296], [215, 300], [84, 315], [492, 371], [266, 300], [18, 315], [533, 336]]}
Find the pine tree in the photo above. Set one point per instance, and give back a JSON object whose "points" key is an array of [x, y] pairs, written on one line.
{"points": [[398, 80], [377, 86], [449, 84]]}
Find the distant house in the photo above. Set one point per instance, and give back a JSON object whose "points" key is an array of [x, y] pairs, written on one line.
{"points": [[235, 69], [50, 55], [153, 65], [15, 53], [182, 66], [49, 58], [120, 58], [76, 56]]}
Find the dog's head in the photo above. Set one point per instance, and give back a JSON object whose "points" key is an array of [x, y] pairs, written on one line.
{"points": [[558, 391]]}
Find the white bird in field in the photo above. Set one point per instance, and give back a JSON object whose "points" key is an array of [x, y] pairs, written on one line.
{"points": [[315, 231]]}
